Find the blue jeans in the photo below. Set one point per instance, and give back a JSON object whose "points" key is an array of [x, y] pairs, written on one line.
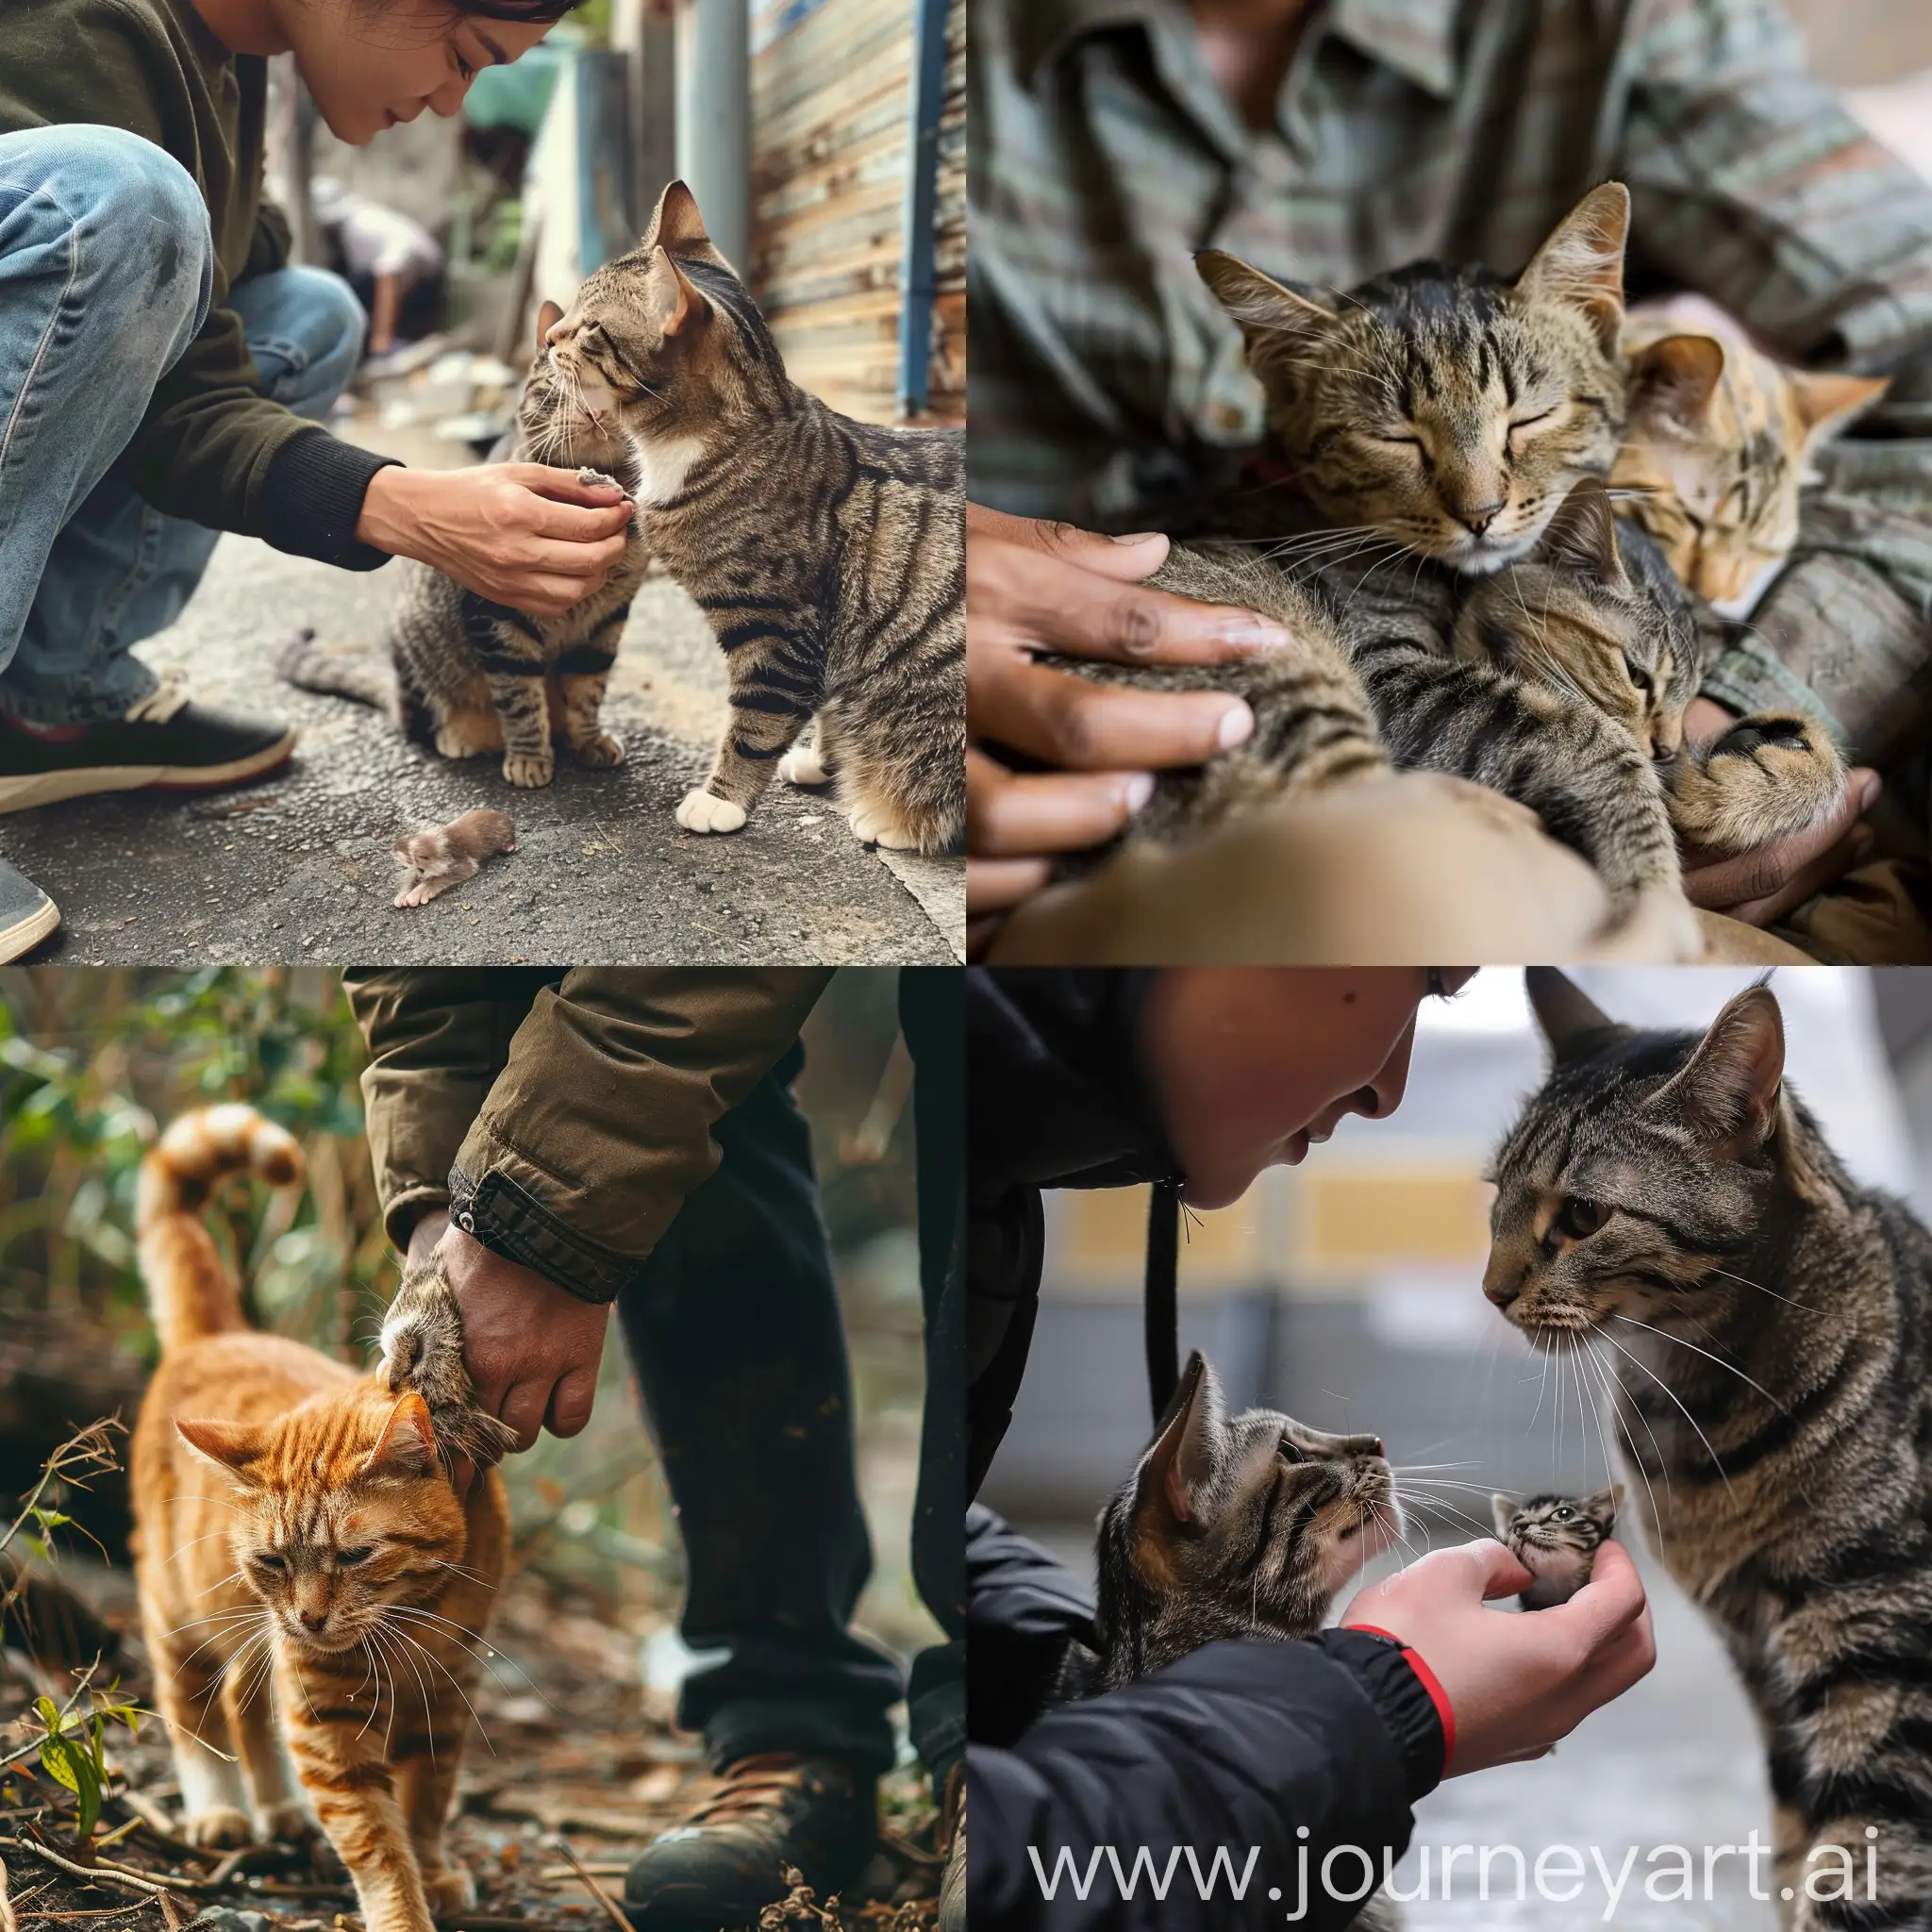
{"points": [[106, 275]]}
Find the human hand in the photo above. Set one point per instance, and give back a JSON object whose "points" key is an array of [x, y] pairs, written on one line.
{"points": [[520, 534], [532, 1348], [1033, 586], [1515, 1683], [1759, 887]]}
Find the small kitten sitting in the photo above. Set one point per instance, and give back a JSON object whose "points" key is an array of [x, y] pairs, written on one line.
{"points": [[1556, 1539], [423, 1352], [435, 857]]}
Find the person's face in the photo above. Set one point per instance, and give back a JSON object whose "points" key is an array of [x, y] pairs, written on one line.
{"points": [[371, 63], [1250, 1066]]}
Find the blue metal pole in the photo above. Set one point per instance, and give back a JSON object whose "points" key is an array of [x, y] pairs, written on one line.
{"points": [[916, 278]]}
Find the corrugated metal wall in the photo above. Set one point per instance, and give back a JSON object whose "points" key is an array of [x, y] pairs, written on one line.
{"points": [[831, 101]]}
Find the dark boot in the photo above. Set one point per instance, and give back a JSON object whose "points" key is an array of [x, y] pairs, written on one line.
{"points": [[728, 1856]]}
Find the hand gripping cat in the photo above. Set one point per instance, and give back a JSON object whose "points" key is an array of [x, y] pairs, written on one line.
{"points": [[295, 1526]]}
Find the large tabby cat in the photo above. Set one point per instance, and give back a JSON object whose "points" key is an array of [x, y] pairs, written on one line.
{"points": [[296, 1534], [1230, 1526], [828, 555], [1718, 445], [1667, 1205], [469, 675], [1477, 610]]}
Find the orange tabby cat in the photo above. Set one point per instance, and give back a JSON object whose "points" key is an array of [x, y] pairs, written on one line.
{"points": [[294, 1528]]}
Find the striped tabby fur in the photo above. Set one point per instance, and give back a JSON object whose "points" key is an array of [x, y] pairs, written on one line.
{"points": [[1668, 1209], [828, 555], [294, 1532], [469, 675]]}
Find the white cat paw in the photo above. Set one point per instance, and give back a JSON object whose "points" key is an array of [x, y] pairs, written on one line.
{"points": [[599, 751], [222, 1830], [521, 768], [288, 1824], [452, 1890], [802, 765], [873, 827], [704, 811]]}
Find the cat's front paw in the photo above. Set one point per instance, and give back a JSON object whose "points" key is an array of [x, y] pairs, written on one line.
{"points": [[530, 771], [602, 750], [704, 811], [802, 765], [1764, 778], [219, 1830], [449, 1889]]}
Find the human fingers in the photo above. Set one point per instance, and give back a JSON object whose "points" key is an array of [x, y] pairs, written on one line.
{"points": [[1760, 885], [1013, 814], [1127, 558], [524, 1409], [570, 1402], [1073, 724], [562, 486], [1610, 1602], [996, 885], [462, 1473], [1043, 601]]}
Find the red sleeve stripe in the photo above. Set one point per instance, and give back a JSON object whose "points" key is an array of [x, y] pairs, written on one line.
{"points": [[1430, 1681]]}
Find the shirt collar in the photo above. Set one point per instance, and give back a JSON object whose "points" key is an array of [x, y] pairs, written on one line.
{"points": [[1416, 38]]}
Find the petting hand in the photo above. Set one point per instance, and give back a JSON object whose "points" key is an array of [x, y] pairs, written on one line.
{"points": [[1516, 1683], [1761, 886], [531, 1348], [520, 534], [1033, 586]]}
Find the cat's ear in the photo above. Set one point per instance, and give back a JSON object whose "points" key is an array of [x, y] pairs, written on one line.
{"points": [[407, 1443], [1276, 321], [1572, 1023], [678, 305], [1729, 1089], [1602, 1508], [236, 1447], [678, 228], [1581, 264], [547, 318], [1182, 1458], [1503, 1511], [1676, 377], [1583, 534], [1825, 402]]}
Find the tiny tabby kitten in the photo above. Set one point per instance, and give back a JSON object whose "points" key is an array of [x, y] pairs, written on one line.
{"points": [[1772, 1376], [1556, 1539], [828, 555], [296, 1530], [467, 676]]}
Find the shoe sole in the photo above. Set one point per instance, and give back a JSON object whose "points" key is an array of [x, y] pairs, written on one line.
{"points": [[25, 934], [50, 787]]}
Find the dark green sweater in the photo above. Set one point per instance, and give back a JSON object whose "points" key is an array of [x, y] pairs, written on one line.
{"points": [[210, 447]]}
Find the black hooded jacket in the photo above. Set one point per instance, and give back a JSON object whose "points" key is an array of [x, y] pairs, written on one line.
{"points": [[1276, 1752]]}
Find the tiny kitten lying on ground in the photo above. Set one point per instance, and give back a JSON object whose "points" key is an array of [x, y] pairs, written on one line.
{"points": [[301, 1513], [1666, 1204], [1556, 1537], [467, 676], [828, 555], [1230, 1526], [435, 857]]}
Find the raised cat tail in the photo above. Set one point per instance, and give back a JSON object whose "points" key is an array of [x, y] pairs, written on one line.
{"points": [[189, 1291]]}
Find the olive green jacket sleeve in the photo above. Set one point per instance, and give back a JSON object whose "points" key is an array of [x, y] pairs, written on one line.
{"points": [[563, 1119]]}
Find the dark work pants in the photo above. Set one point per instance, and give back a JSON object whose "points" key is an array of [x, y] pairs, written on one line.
{"points": [[735, 1335]]}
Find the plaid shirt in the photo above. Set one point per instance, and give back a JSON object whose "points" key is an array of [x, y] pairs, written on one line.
{"points": [[1104, 153]]}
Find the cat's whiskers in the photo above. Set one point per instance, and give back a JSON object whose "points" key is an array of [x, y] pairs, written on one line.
{"points": [[395, 1630], [1805, 1307], [1716, 1461], [1730, 1367], [1608, 1381]]}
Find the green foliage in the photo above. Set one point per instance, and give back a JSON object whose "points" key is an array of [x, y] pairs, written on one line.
{"points": [[78, 1757]]}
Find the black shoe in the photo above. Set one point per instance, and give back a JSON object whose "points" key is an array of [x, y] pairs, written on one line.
{"points": [[27, 914], [728, 1856], [164, 741]]}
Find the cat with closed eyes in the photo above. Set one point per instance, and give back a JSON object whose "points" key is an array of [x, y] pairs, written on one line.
{"points": [[1460, 596], [1667, 1206]]}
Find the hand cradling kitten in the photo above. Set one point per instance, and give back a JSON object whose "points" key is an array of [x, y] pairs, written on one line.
{"points": [[435, 857], [1556, 1539], [423, 1351]]}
